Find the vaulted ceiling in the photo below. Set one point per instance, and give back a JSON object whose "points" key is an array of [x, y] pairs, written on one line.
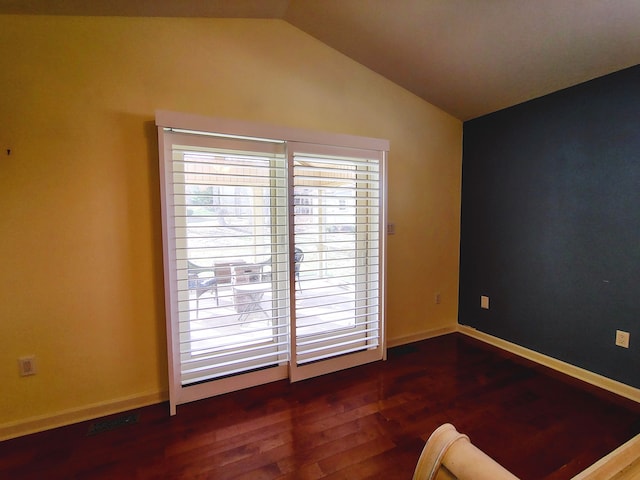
{"points": [[468, 57]]}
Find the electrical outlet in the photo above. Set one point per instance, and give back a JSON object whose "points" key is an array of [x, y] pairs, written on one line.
{"points": [[391, 229], [622, 339], [27, 365], [484, 302]]}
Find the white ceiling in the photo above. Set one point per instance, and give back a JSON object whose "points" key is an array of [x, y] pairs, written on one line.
{"points": [[468, 57]]}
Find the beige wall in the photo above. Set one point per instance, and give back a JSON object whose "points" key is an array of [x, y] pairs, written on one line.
{"points": [[81, 277]]}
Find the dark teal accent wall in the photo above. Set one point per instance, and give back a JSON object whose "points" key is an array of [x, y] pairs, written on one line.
{"points": [[551, 224]]}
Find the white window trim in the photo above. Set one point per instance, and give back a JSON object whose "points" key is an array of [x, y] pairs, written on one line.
{"points": [[191, 123], [239, 128]]}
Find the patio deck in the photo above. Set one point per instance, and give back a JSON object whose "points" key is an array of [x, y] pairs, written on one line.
{"points": [[322, 305]]}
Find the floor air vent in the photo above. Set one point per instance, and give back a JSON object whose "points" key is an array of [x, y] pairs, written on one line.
{"points": [[113, 423]]}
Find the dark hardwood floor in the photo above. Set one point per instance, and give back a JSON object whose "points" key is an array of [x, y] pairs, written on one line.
{"points": [[367, 422]]}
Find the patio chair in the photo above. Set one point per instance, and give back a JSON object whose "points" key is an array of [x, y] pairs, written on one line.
{"points": [[242, 275], [202, 285], [298, 256], [266, 267]]}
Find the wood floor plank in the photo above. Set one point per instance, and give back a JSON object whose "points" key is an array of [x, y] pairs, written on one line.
{"points": [[369, 422]]}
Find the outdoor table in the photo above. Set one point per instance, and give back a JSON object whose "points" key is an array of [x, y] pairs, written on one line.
{"points": [[255, 292]]}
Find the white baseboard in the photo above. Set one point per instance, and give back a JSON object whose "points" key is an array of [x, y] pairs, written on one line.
{"points": [[90, 412], [622, 463], [68, 417], [600, 381], [436, 332]]}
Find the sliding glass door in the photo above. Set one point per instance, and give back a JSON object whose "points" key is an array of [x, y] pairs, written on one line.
{"points": [[336, 234], [273, 259], [230, 261]]}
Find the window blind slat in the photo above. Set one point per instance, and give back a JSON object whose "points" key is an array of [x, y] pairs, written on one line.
{"points": [[308, 346], [346, 351], [237, 356]]}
